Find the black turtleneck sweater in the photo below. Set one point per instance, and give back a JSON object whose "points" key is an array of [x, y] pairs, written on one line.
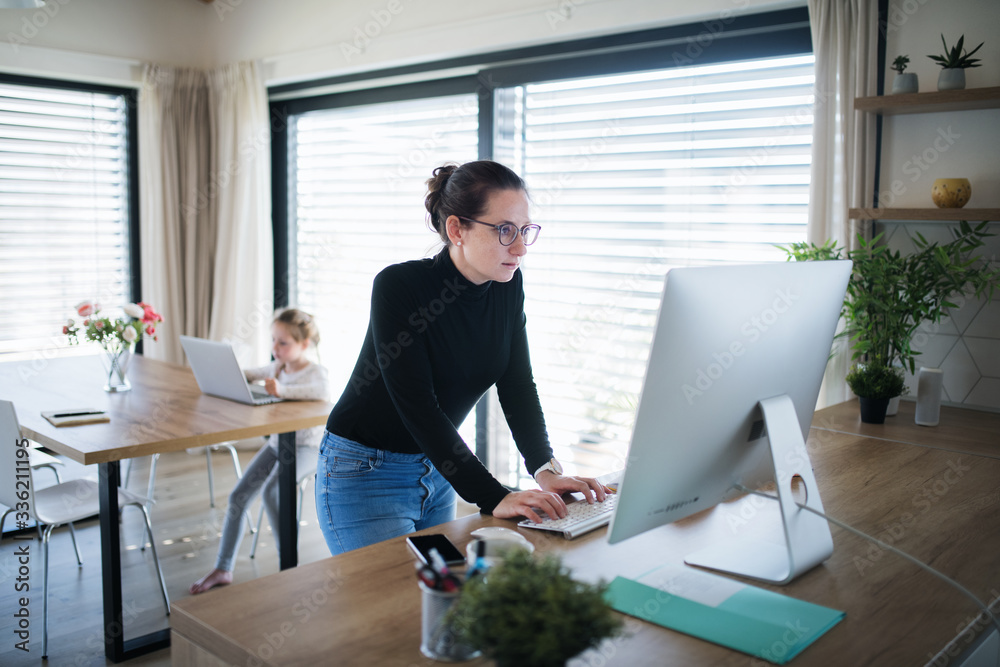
{"points": [[435, 344]]}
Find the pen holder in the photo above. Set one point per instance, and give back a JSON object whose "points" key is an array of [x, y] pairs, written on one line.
{"points": [[436, 639]]}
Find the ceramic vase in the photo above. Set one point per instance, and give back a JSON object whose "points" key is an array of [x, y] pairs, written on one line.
{"points": [[951, 78], [951, 192], [905, 83]]}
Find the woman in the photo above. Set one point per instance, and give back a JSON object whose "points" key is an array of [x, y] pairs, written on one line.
{"points": [[443, 330]]}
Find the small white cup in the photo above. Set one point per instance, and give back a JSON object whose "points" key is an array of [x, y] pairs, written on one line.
{"points": [[498, 542]]}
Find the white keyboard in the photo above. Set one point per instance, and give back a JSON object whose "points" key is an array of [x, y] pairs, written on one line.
{"points": [[581, 517]]}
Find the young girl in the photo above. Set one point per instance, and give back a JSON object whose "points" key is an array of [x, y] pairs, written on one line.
{"points": [[290, 376]]}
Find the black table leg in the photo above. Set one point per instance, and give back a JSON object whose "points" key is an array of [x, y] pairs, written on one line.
{"points": [[287, 524], [116, 649]]}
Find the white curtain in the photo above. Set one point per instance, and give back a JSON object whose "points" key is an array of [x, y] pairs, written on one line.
{"points": [[845, 45], [205, 239], [243, 302]]}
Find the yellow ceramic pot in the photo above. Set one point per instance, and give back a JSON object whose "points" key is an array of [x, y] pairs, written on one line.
{"points": [[951, 192]]}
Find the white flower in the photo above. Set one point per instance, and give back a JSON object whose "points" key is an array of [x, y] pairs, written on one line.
{"points": [[129, 334], [133, 310]]}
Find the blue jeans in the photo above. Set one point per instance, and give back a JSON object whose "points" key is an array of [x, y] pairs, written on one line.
{"points": [[366, 495]]}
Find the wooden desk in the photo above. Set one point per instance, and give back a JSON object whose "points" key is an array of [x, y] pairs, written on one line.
{"points": [[363, 607], [164, 412]]}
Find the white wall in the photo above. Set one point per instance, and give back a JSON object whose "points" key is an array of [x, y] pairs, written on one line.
{"points": [[920, 148], [301, 39]]}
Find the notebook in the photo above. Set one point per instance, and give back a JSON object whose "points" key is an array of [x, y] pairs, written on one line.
{"points": [[218, 373]]}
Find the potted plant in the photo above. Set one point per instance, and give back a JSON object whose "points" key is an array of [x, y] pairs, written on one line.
{"points": [[875, 385], [903, 83], [890, 295], [529, 612], [954, 62]]}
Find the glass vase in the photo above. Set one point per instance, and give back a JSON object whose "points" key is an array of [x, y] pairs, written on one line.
{"points": [[116, 363]]}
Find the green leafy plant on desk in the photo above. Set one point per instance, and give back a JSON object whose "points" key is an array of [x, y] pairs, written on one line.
{"points": [[529, 612], [891, 295]]}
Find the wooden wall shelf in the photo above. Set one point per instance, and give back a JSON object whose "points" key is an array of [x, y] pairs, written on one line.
{"points": [[948, 100], [925, 214]]}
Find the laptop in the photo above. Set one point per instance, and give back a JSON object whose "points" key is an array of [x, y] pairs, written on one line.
{"points": [[218, 372]]}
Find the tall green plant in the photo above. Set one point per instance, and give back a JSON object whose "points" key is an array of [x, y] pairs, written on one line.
{"points": [[890, 295]]}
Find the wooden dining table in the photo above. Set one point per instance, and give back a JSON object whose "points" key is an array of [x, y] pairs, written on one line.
{"points": [[164, 411]]}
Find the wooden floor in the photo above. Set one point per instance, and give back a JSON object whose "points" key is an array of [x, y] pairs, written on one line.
{"points": [[187, 536]]}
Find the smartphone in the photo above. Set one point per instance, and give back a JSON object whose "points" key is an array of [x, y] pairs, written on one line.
{"points": [[421, 546]]}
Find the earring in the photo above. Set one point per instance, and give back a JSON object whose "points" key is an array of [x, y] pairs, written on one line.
{"points": [[459, 243]]}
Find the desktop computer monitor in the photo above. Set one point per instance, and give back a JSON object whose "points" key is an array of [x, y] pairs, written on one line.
{"points": [[733, 377]]}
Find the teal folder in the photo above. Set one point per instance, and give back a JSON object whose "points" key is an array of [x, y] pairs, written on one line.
{"points": [[758, 622]]}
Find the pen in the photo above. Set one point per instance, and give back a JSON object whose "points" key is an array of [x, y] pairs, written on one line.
{"points": [[448, 581], [479, 565], [78, 414]]}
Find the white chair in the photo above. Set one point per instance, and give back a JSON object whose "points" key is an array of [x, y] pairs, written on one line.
{"points": [[38, 459], [54, 506], [303, 482]]}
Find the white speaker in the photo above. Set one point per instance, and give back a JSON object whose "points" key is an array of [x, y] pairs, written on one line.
{"points": [[929, 382]]}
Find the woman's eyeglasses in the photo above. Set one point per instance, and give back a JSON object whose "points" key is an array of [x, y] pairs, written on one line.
{"points": [[508, 231]]}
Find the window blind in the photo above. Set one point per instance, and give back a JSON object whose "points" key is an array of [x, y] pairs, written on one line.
{"points": [[631, 175], [64, 228], [357, 181]]}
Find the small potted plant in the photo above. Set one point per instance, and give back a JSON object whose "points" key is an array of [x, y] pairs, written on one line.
{"points": [[903, 83], [875, 385], [954, 62], [529, 612]]}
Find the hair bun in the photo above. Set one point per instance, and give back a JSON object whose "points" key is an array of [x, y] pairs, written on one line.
{"points": [[435, 190]]}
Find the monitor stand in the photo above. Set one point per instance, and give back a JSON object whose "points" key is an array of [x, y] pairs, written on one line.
{"points": [[807, 537]]}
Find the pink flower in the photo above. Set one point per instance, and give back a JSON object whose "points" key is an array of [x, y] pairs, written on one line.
{"points": [[150, 330], [99, 324], [149, 315], [87, 308], [65, 329]]}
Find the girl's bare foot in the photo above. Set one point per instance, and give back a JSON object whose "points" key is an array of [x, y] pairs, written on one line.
{"points": [[214, 578]]}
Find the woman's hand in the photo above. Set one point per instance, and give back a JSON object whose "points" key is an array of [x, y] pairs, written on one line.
{"points": [[524, 503], [589, 487], [273, 387]]}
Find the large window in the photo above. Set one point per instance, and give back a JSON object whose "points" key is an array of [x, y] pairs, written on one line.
{"points": [[634, 167], [64, 208], [631, 175]]}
